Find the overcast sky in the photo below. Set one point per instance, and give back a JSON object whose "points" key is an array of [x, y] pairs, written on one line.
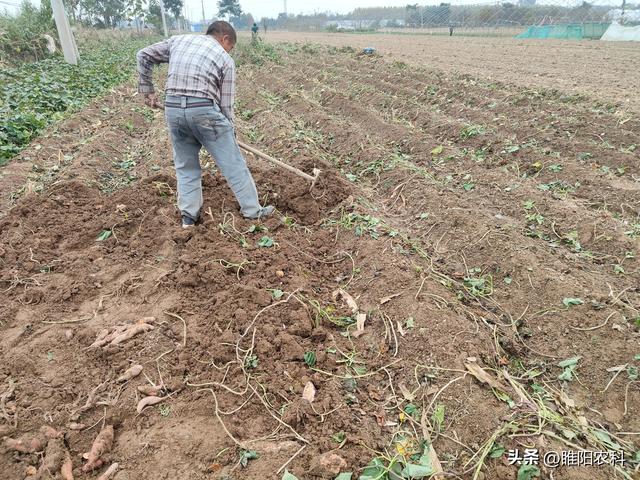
{"points": [[271, 8]]}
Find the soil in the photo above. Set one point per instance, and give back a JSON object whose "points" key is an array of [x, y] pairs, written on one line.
{"points": [[604, 70], [458, 211]]}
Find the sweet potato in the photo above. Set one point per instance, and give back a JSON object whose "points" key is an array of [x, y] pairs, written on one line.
{"points": [[109, 472], [53, 458], [130, 332], [101, 446], [67, 466], [121, 333], [150, 390], [130, 373], [31, 443], [147, 401]]}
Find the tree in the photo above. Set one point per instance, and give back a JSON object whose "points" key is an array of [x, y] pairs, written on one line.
{"points": [[229, 8], [107, 12], [174, 6]]}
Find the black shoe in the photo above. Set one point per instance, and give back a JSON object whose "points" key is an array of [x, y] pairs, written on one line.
{"points": [[188, 222]]}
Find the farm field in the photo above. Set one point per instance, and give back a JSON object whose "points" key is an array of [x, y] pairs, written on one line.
{"points": [[603, 70], [486, 229]]}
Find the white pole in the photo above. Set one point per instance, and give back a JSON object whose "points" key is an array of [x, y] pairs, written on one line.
{"points": [[164, 19], [67, 41]]}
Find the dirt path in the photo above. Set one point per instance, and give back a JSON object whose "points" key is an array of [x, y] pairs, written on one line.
{"points": [[606, 71], [485, 232]]}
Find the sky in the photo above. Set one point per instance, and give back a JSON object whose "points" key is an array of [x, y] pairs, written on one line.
{"points": [[271, 8]]}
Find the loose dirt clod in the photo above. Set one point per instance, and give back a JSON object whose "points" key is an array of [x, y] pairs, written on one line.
{"points": [[327, 465], [100, 447], [309, 392]]}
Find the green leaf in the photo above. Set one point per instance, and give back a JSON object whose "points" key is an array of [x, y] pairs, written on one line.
{"points": [[636, 356], [412, 410], [566, 375], [288, 476], [411, 470], [528, 472], [437, 151], [310, 358], [276, 293], [569, 362], [497, 450], [338, 437], [344, 476], [508, 280], [409, 322], [257, 229], [374, 471], [360, 369], [103, 235], [437, 417], [247, 455], [572, 301], [606, 439], [632, 372], [266, 242]]}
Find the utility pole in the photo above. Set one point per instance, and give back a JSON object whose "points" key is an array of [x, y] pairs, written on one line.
{"points": [[204, 20], [69, 47], [285, 7], [164, 19]]}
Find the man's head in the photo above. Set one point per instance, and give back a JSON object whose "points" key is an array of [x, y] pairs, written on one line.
{"points": [[224, 33]]}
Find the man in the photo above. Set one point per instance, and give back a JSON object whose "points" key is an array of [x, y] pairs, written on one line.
{"points": [[254, 32], [199, 112]]}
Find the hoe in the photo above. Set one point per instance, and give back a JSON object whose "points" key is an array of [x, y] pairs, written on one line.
{"points": [[312, 178]]}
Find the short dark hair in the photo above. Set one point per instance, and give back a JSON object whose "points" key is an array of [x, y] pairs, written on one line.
{"points": [[220, 28]]}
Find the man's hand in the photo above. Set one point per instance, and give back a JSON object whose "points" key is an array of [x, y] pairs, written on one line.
{"points": [[151, 100]]}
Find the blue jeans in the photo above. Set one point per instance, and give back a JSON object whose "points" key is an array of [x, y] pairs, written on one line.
{"points": [[205, 126]]}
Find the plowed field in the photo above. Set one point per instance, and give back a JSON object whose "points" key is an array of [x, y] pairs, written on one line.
{"points": [[487, 232]]}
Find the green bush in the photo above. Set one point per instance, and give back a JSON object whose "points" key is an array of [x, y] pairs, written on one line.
{"points": [[35, 95], [21, 36]]}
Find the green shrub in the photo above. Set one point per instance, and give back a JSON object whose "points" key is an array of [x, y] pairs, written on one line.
{"points": [[21, 36]]}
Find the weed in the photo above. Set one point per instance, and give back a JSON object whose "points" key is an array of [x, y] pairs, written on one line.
{"points": [[470, 131], [634, 232], [251, 362], [360, 224], [164, 410], [478, 285]]}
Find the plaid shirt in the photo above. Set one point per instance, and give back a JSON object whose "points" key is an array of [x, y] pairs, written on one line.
{"points": [[198, 67]]}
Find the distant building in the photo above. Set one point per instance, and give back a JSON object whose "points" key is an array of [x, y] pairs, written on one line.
{"points": [[630, 16]]}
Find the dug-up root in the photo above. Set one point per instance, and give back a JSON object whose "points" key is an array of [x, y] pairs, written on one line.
{"points": [[55, 457], [99, 449], [122, 333], [31, 443]]}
